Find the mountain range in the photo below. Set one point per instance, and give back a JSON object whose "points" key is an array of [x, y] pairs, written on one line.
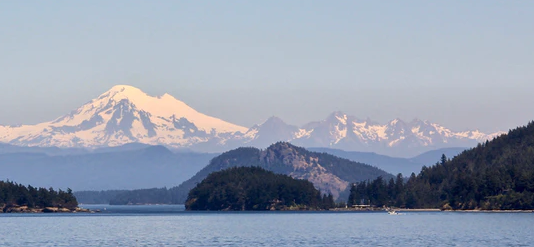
{"points": [[125, 114]]}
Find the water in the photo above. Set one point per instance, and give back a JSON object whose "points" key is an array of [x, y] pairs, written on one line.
{"points": [[172, 226]]}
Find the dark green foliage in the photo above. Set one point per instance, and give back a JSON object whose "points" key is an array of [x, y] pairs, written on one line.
{"points": [[378, 192], [253, 188], [12, 194], [245, 156], [497, 174]]}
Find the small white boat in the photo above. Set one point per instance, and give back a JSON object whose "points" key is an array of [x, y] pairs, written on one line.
{"points": [[392, 211]]}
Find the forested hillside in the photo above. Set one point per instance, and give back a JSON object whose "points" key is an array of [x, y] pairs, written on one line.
{"points": [[497, 174], [328, 173], [254, 188]]}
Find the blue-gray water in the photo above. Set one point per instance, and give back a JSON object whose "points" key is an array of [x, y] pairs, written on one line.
{"points": [[171, 226]]}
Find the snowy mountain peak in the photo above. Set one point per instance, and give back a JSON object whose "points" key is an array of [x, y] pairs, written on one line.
{"points": [[137, 96], [122, 115], [163, 107], [125, 89]]}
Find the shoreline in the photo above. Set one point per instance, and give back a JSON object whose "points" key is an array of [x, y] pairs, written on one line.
{"points": [[491, 211], [26, 209], [418, 210]]}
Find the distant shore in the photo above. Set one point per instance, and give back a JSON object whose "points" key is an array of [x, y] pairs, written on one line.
{"points": [[491, 211], [431, 210], [382, 209], [418, 210], [463, 211], [26, 209]]}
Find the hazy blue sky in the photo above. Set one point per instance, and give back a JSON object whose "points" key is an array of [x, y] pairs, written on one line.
{"points": [[464, 65]]}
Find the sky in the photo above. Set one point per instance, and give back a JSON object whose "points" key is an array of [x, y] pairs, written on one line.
{"points": [[465, 65]]}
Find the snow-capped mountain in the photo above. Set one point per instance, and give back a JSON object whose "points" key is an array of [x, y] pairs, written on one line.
{"points": [[397, 137], [125, 114], [122, 115]]}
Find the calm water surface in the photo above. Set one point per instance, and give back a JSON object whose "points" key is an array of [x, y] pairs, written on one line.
{"points": [[171, 226]]}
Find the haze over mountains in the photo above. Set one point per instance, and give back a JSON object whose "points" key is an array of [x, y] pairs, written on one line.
{"points": [[139, 166], [125, 114], [394, 165], [145, 167]]}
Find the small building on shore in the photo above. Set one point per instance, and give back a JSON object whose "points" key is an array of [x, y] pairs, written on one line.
{"points": [[362, 206]]}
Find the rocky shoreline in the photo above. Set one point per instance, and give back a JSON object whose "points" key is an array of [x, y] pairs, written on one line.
{"points": [[26, 209]]}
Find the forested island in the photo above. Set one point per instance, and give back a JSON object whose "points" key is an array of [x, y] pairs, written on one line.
{"points": [[19, 198], [254, 188], [495, 175]]}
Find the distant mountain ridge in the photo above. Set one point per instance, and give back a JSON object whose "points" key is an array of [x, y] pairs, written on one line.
{"points": [[126, 168], [125, 114]]}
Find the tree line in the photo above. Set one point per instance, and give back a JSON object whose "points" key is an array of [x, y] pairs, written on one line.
{"points": [[13, 194]]}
